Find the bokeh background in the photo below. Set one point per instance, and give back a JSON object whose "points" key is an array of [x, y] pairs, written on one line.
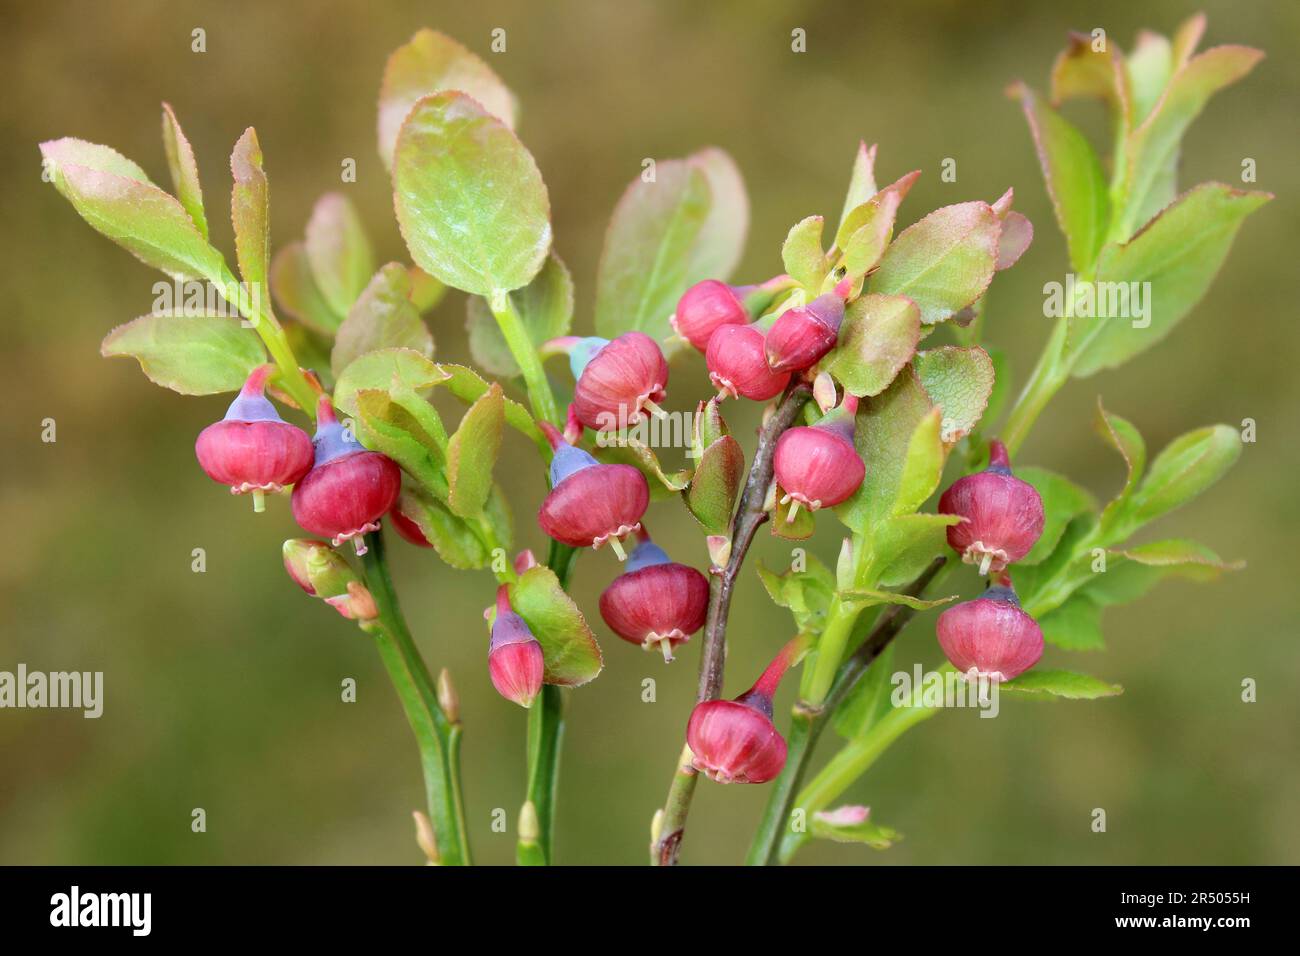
{"points": [[222, 688]]}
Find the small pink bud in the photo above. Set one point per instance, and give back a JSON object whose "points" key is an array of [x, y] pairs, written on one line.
{"points": [[252, 448], [356, 604], [801, 336], [617, 381], [524, 561], [704, 308], [738, 366], [1004, 515], [591, 504], [735, 741], [515, 661], [655, 601], [991, 637], [348, 489], [817, 465]]}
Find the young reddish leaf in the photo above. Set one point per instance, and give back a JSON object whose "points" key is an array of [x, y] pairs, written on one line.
{"points": [[944, 262], [878, 337], [193, 355], [803, 255], [430, 63], [472, 453], [116, 198], [297, 293], [711, 495], [1075, 181], [569, 648], [959, 380], [647, 260], [470, 200], [184, 169], [382, 317], [545, 305], [878, 212], [1178, 253], [862, 182], [1081, 71], [1017, 232], [250, 214], [338, 250]]}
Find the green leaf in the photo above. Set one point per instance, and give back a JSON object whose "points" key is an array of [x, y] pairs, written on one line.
{"points": [[426, 291], [870, 598], [632, 451], [1131, 573], [802, 253], [382, 317], [878, 337], [249, 212], [1150, 66], [862, 182], [647, 261], [1127, 440], [381, 369], [960, 381], [944, 262], [865, 234], [297, 293], [385, 425], [184, 169], [1172, 260], [884, 428], [468, 386], [922, 465], [1186, 467], [711, 495], [455, 540], [1001, 386], [1075, 625], [339, 252], [1155, 142], [545, 305], [1063, 500], [903, 546], [806, 593], [1043, 684], [722, 237], [472, 453], [117, 199], [1074, 177], [868, 699], [790, 520], [193, 355], [569, 648], [470, 200], [429, 63]]}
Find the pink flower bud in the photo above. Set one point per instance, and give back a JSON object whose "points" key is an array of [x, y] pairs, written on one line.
{"points": [[735, 741], [591, 504], [817, 466], [801, 336], [655, 601], [252, 448], [617, 380], [515, 661], [704, 308], [738, 366], [1004, 515], [349, 489], [991, 637]]}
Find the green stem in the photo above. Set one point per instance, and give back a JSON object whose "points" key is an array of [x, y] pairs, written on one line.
{"points": [[664, 846], [1048, 376], [525, 356], [436, 735], [263, 320], [840, 618]]}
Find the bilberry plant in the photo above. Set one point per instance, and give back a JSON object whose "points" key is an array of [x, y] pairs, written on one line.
{"points": [[868, 341]]}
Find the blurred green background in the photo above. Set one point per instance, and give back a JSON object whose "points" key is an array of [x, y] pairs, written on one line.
{"points": [[222, 688]]}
